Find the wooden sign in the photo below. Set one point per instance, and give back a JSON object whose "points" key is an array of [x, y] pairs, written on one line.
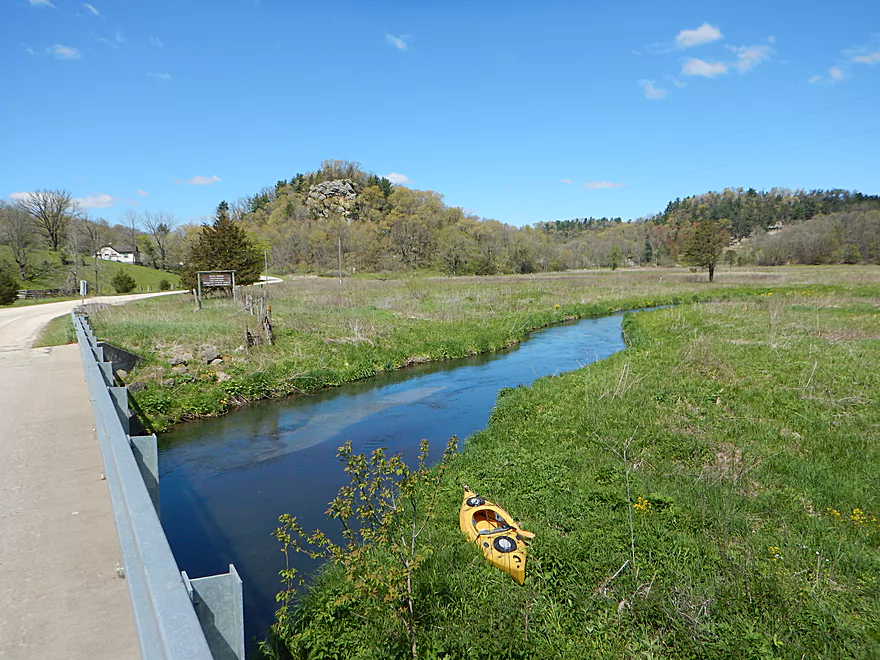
{"points": [[216, 279]]}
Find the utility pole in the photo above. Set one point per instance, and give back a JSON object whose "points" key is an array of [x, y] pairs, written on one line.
{"points": [[340, 265]]}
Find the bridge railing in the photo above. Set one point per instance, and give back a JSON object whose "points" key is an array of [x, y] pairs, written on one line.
{"points": [[175, 617]]}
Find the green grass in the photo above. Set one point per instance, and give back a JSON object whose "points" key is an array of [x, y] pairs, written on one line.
{"points": [[325, 338], [750, 428], [50, 273], [57, 332]]}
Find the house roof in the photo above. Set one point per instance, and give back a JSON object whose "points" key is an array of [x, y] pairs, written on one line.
{"points": [[121, 248]]}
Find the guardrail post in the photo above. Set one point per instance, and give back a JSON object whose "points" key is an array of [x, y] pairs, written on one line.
{"points": [[146, 454], [120, 402], [106, 370], [218, 602]]}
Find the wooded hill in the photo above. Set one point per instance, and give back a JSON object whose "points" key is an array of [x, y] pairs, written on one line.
{"points": [[385, 227]]}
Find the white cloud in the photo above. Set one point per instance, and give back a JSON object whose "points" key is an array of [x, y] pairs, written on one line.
{"points": [[41, 3], [30, 51], [18, 195], [698, 67], [92, 9], [835, 73], [567, 182], [749, 56], [399, 179], [814, 79], [115, 41], [160, 76], [143, 193], [867, 58], [398, 42], [702, 35], [652, 92], [200, 180], [157, 42], [62, 52], [95, 201], [678, 82], [598, 185]]}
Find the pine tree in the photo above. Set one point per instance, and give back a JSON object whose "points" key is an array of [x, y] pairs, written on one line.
{"points": [[8, 287], [706, 243], [224, 245]]}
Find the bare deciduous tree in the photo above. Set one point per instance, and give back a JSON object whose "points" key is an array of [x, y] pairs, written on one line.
{"points": [[17, 231], [130, 221], [52, 211], [94, 237], [160, 226]]}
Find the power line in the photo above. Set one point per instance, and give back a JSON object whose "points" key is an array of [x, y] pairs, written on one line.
{"points": [[695, 145], [733, 162]]}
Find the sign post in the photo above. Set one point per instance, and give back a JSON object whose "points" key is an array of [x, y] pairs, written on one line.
{"points": [[215, 279]]}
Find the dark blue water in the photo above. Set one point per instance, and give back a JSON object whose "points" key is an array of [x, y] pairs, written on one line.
{"points": [[225, 481]]}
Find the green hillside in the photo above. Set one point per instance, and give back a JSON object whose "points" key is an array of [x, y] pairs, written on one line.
{"points": [[48, 272]]}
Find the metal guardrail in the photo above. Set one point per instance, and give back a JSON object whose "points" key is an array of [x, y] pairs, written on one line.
{"points": [[176, 618]]}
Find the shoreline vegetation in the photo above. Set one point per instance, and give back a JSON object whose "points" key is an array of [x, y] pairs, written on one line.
{"points": [[325, 338]]}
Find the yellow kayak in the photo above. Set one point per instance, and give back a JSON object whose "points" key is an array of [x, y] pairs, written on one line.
{"points": [[493, 529]]}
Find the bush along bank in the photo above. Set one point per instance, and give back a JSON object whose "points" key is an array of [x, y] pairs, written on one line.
{"points": [[337, 346], [708, 492]]}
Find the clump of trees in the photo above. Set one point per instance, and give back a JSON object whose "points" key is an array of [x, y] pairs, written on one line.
{"points": [[847, 237]]}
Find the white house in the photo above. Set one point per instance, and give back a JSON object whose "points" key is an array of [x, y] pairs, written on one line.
{"points": [[122, 253]]}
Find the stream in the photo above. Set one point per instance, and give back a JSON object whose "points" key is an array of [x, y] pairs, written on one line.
{"points": [[225, 481]]}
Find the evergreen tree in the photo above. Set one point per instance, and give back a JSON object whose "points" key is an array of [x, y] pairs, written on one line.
{"points": [[224, 245], [8, 287], [123, 282], [706, 243]]}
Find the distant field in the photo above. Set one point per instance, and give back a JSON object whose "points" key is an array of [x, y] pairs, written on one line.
{"points": [[325, 338]]}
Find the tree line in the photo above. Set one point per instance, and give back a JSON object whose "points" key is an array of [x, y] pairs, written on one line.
{"points": [[301, 223]]}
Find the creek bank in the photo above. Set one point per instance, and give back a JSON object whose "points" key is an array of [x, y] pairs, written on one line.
{"points": [[188, 394]]}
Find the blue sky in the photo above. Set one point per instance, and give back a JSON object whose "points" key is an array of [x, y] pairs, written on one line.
{"points": [[518, 111]]}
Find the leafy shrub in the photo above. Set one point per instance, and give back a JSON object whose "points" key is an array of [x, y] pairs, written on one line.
{"points": [[8, 288], [123, 282], [164, 285]]}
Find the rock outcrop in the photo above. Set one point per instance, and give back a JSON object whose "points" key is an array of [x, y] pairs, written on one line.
{"points": [[337, 198]]}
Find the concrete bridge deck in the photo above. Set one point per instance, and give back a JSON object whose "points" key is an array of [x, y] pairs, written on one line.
{"points": [[60, 596]]}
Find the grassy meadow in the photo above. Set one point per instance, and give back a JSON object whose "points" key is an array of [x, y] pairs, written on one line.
{"points": [[727, 462], [326, 338]]}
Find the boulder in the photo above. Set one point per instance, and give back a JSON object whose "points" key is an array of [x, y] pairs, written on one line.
{"points": [[168, 382], [179, 369], [210, 353], [222, 377], [136, 387], [177, 359]]}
